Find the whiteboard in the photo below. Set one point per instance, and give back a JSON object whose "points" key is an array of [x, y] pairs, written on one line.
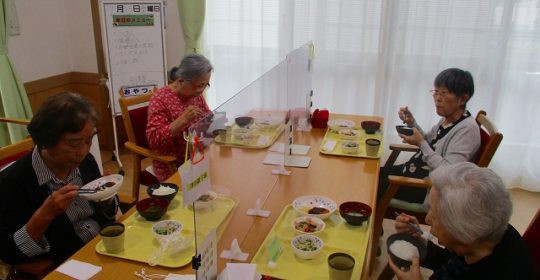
{"points": [[134, 46]]}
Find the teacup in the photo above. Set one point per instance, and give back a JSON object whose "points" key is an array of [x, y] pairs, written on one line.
{"points": [[372, 147], [113, 237]]}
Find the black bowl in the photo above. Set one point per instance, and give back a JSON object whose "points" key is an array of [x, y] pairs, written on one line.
{"points": [[370, 126], [152, 208], [150, 190], [354, 212], [243, 121], [422, 249], [405, 130]]}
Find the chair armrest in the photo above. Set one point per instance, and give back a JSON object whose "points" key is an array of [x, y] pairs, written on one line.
{"points": [[404, 148], [408, 181], [149, 154], [396, 149]]}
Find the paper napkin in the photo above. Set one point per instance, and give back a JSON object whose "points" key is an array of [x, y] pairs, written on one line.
{"points": [[79, 270]]}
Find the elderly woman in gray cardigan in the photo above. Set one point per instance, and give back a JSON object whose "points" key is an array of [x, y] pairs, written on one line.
{"points": [[455, 138]]}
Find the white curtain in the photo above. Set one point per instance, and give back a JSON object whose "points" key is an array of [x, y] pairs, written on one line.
{"points": [[373, 56]]}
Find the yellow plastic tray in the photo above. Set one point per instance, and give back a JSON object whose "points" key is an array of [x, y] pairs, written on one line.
{"points": [[338, 236], [231, 141], [140, 243], [334, 136]]}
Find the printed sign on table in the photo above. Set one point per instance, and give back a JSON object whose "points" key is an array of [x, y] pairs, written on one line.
{"points": [[208, 255], [195, 180]]}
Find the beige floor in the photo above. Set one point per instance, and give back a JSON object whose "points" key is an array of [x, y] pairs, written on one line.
{"points": [[525, 205]]}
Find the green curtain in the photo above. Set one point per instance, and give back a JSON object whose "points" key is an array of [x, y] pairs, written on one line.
{"points": [[191, 14], [13, 99]]}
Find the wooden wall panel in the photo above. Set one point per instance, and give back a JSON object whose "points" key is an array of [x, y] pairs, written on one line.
{"points": [[86, 84]]}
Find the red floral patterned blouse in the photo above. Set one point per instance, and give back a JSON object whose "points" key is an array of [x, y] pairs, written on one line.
{"points": [[166, 106]]}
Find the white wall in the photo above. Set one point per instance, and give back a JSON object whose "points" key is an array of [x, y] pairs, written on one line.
{"points": [[57, 37]]}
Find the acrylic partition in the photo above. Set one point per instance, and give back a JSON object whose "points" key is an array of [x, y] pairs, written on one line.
{"points": [[228, 150], [299, 94]]}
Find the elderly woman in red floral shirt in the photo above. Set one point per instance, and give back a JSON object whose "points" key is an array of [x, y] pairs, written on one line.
{"points": [[175, 107]]}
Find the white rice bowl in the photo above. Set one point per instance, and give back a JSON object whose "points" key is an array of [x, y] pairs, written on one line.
{"points": [[404, 250]]}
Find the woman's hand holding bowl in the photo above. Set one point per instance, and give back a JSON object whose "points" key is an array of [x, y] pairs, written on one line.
{"points": [[415, 139], [413, 273]]}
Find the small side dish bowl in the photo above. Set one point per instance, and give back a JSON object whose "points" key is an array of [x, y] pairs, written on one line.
{"points": [[268, 122], [401, 247], [307, 246], [205, 201], [354, 212], [370, 126], [350, 147], [349, 134], [166, 229], [315, 205], [152, 208], [243, 121], [308, 225], [163, 190], [337, 124]]}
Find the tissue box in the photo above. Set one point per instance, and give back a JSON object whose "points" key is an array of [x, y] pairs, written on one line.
{"points": [[320, 118]]}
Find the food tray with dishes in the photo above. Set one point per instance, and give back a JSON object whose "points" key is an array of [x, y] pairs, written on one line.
{"points": [[257, 132], [337, 236], [346, 138], [140, 243]]}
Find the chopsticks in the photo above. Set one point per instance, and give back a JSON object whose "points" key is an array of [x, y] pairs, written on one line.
{"points": [[414, 226], [86, 191]]}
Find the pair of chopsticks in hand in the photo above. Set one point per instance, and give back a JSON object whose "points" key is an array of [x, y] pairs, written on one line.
{"points": [[414, 226]]}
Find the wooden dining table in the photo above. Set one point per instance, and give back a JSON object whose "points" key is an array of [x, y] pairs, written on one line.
{"points": [[240, 173]]}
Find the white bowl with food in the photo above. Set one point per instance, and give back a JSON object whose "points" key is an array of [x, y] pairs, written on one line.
{"points": [[102, 188], [205, 201], [244, 135], [167, 230], [315, 205], [307, 246], [268, 122], [308, 225], [349, 134], [350, 147], [338, 124]]}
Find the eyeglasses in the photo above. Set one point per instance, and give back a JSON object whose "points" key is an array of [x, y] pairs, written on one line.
{"points": [[441, 93], [200, 85]]}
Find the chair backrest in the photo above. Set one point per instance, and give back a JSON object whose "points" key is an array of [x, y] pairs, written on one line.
{"points": [[135, 115], [490, 139], [12, 152]]}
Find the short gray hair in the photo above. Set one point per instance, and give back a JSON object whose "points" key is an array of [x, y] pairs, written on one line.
{"points": [[191, 67], [473, 204]]}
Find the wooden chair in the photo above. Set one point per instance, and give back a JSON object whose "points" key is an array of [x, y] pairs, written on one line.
{"points": [[490, 140], [531, 236], [12, 152], [135, 112]]}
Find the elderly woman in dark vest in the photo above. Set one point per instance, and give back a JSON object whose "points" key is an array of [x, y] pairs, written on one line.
{"points": [[41, 213]]}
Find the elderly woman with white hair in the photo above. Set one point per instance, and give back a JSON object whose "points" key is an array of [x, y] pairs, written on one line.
{"points": [[175, 107], [469, 213]]}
